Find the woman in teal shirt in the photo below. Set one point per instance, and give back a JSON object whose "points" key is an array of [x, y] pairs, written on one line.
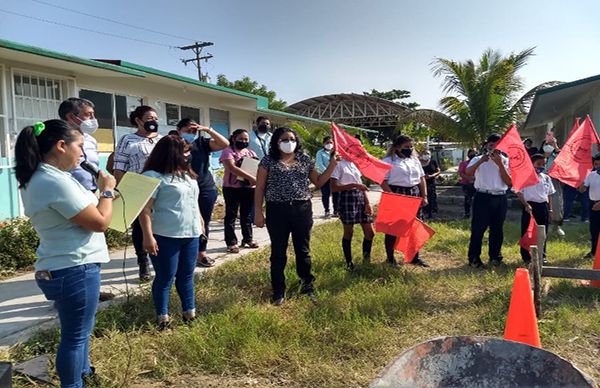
{"points": [[171, 226], [69, 221]]}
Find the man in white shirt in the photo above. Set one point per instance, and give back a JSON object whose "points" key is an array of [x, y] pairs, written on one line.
{"points": [[492, 180], [260, 138], [592, 181]]}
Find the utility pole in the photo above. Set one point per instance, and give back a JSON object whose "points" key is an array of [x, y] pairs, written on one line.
{"points": [[197, 49]]}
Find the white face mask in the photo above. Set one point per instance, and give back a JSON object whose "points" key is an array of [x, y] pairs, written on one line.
{"points": [[328, 146], [287, 148], [426, 158], [548, 148], [88, 126]]}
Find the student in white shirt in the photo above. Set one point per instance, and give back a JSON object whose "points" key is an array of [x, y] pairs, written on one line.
{"points": [[406, 177], [490, 203], [592, 181], [536, 202], [354, 208]]}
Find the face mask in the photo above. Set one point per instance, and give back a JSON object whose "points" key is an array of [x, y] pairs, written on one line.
{"points": [[540, 170], [241, 144], [547, 148], [597, 169], [264, 128], [88, 126], [189, 137], [426, 158], [406, 152], [328, 146], [287, 148], [471, 156], [151, 126]]}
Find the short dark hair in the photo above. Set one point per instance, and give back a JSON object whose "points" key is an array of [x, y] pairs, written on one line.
{"points": [[73, 105], [494, 137], [596, 157], [536, 157], [261, 118], [139, 112], [185, 122], [167, 157], [173, 132], [401, 140], [471, 150], [326, 139], [274, 151]]}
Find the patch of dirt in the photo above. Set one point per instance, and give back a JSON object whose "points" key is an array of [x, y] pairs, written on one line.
{"points": [[197, 381]]}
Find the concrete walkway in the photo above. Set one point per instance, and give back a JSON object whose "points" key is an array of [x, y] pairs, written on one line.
{"points": [[24, 310]]}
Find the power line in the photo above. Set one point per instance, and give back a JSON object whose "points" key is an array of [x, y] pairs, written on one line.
{"points": [[197, 49], [86, 29], [112, 20]]}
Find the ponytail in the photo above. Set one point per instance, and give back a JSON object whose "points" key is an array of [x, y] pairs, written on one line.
{"points": [[34, 143]]}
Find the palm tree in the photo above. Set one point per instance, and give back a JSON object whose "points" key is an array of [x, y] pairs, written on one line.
{"points": [[480, 97]]}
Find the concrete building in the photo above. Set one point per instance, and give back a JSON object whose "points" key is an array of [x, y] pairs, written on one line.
{"points": [[34, 81]]}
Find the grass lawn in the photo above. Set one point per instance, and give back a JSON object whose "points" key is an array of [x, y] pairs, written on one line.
{"points": [[361, 321]]}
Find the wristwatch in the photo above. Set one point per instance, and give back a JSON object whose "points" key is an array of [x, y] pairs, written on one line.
{"points": [[107, 194]]}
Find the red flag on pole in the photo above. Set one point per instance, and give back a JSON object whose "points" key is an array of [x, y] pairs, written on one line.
{"points": [[350, 149], [575, 126], [521, 169], [396, 213], [574, 161], [410, 244], [530, 236]]}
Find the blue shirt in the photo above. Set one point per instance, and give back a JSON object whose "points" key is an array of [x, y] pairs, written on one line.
{"points": [[322, 160], [90, 147], [175, 212], [260, 143], [51, 198]]}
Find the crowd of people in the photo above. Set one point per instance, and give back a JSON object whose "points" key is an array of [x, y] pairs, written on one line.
{"points": [[172, 230]]}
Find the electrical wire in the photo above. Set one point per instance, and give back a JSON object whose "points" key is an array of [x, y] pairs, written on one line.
{"points": [[113, 21], [86, 29]]}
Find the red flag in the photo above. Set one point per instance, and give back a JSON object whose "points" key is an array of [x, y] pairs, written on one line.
{"points": [[410, 244], [521, 169], [575, 126], [350, 149], [530, 236], [396, 213], [574, 161]]}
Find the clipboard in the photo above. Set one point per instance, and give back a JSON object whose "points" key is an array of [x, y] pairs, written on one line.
{"points": [[249, 165], [134, 192]]}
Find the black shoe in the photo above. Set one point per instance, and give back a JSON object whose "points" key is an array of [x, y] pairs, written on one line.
{"points": [[144, 270], [496, 263], [477, 264], [350, 266], [205, 262], [277, 301], [104, 296], [420, 263], [91, 379], [308, 290], [393, 263], [163, 325], [589, 255]]}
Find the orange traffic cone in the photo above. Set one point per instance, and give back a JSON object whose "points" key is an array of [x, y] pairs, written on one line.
{"points": [[596, 283], [521, 323]]}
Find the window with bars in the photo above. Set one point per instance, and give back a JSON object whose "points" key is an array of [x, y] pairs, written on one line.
{"points": [[4, 133]]}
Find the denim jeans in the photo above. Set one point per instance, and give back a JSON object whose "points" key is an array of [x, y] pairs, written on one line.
{"points": [[176, 260], [206, 202], [570, 194], [75, 292]]}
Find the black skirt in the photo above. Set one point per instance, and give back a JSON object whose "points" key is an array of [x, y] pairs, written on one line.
{"points": [[352, 208]]}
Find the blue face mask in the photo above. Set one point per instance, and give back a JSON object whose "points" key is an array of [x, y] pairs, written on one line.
{"points": [[189, 137], [540, 170]]}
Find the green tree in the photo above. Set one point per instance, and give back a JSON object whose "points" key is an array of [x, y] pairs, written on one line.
{"points": [[481, 97], [395, 96], [248, 85]]}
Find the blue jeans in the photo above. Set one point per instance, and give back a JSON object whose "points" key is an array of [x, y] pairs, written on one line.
{"points": [[75, 293], [570, 194], [206, 202], [176, 260]]}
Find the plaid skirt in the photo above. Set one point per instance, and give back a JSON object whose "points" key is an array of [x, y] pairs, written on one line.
{"points": [[412, 191], [352, 208]]}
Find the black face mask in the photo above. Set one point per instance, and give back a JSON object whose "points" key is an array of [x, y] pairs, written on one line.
{"points": [[241, 144], [471, 156], [151, 126], [264, 128], [406, 152]]}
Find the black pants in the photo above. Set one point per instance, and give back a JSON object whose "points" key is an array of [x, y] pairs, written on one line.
{"points": [[326, 194], [469, 192], [432, 204], [283, 219], [390, 240], [137, 236], [594, 226], [488, 211], [238, 199], [542, 216]]}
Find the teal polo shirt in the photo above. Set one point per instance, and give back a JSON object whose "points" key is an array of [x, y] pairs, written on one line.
{"points": [[51, 198]]}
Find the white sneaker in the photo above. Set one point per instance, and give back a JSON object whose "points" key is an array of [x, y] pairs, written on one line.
{"points": [[560, 232]]}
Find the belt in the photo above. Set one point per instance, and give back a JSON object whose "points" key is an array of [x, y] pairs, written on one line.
{"points": [[492, 192]]}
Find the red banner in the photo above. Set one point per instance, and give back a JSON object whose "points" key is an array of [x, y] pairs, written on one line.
{"points": [[396, 213], [521, 169], [351, 149], [530, 236], [574, 161], [410, 244]]}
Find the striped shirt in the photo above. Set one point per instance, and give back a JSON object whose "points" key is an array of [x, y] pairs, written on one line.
{"points": [[132, 151]]}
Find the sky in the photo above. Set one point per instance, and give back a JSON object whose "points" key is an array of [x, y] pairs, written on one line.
{"points": [[307, 48]]}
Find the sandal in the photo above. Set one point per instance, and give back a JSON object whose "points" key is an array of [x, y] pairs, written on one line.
{"points": [[205, 262], [249, 244], [233, 249]]}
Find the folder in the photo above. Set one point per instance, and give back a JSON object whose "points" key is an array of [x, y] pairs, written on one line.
{"points": [[134, 192], [249, 165]]}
